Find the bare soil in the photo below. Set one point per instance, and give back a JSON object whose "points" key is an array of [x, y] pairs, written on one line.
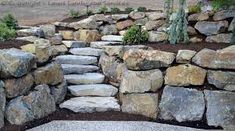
{"points": [[12, 44]]}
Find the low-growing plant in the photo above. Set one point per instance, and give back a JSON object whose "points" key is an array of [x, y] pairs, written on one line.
{"points": [[195, 8], [135, 35], [142, 9], [115, 10], [221, 4], [9, 21], [6, 33], [73, 13], [103, 9], [129, 9]]}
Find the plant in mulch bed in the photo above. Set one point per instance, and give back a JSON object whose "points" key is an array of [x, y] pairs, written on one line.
{"points": [[129, 9], [73, 13], [178, 28], [10, 21], [115, 10], [142, 9], [222, 4], [6, 33], [135, 35], [195, 8], [103, 9]]}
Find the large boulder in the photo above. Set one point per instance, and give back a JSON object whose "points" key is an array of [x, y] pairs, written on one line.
{"points": [[220, 38], [18, 86], [2, 103], [185, 75], [59, 92], [28, 48], [147, 59], [124, 24], [224, 14], [49, 30], [211, 28], [89, 23], [222, 79], [156, 36], [87, 35], [156, 15], [185, 56], [109, 30], [137, 15], [220, 108], [220, 59], [51, 74], [181, 104], [15, 63], [153, 25], [141, 81], [37, 104], [43, 50], [198, 17], [141, 104]]}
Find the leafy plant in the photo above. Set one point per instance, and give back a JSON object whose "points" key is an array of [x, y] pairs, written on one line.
{"points": [[195, 8], [115, 10], [6, 33], [73, 13], [135, 35], [220, 4], [178, 28], [10, 21], [129, 9], [142, 9], [103, 9]]}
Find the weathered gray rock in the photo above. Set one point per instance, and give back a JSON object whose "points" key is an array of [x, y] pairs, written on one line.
{"points": [[61, 24], [198, 17], [74, 44], [222, 79], [116, 38], [220, 108], [211, 28], [43, 50], [109, 30], [141, 104], [56, 40], [156, 15], [100, 44], [15, 63], [28, 38], [118, 17], [91, 104], [51, 74], [59, 92], [185, 75], [59, 50], [100, 17], [156, 36], [78, 69], [220, 38], [220, 59], [26, 32], [89, 23], [224, 14], [18, 86], [86, 51], [147, 59], [76, 60], [141, 81], [152, 25], [86, 78], [185, 56], [181, 104], [141, 21], [37, 104], [49, 30], [93, 90], [232, 25], [137, 15], [2, 103], [191, 30]]}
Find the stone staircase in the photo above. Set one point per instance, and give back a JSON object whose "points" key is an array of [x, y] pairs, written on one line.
{"points": [[85, 82]]}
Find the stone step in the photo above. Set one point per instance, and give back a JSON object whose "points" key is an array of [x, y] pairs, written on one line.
{"points": [[86, 51], [100, 44], [91, 104], [74, 44], [87, 78], [76, 60], [78, 69], [117, 38], [93, 90]]}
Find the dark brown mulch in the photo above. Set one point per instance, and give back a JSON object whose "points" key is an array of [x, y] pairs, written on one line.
{"points": [[12, 44], [191, 46]]}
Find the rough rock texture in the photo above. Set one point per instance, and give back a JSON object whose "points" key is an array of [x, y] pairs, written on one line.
{"points": [[198, 17], [109, 30], [181, 104], [118, 17], [91, 104], [78, 69], [76, 60], [211, 28], [49, 30], [51, 74], [37, 104], [191, 31], [141, 81], [56, 40], [86, 51], [15, 63], [220, 108], [89, 23], [87, 35], [74, 44], [152, 25], [116, 38], [86, 78], [141, 21], [67, 34], [156, 36], [28, 48], [220, 38], [43, 50], [195, 40], [222, 79], [137, 15], [141, 104], [147, 59], [2, 103], [59, 92], [124, 24], [156, 15], [185, 75], [232, 25], [185, 56], [18, 86], [59, 50], [220, 59], [224, 14]]}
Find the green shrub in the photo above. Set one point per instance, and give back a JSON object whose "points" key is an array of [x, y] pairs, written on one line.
{"points": [[129, 9], [10, 21], [115, 10], [195, 9], [73, 13], [142, 9], [103, 9], [135, 35], [6, 33], [222, 4]]}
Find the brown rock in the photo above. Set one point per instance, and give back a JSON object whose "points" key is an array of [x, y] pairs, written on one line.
{"points": [[67, 34], [124, 24], [198, 17], [87, 35]]}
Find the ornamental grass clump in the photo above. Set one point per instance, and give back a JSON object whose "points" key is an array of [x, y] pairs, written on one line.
{"points": [[135, 35]]}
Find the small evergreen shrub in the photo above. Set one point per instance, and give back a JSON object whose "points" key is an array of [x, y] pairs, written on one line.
{"points": [[103, 9], [135, 35], [10, 21], [195, 9], [142, 9], [115, 10], [129, 9], [6, 33], [73, 13]]}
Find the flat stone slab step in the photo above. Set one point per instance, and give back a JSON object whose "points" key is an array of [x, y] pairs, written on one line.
{"points": [[110, 126], [100, 44], [87, 78], [86, 51], [91, 104], [74, 44], [117, 38], [93, 90], [78, 69], [76, 60]]}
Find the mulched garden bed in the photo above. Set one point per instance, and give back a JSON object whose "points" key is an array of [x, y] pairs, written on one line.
{"points": [[12, 44], [63, 114]]}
